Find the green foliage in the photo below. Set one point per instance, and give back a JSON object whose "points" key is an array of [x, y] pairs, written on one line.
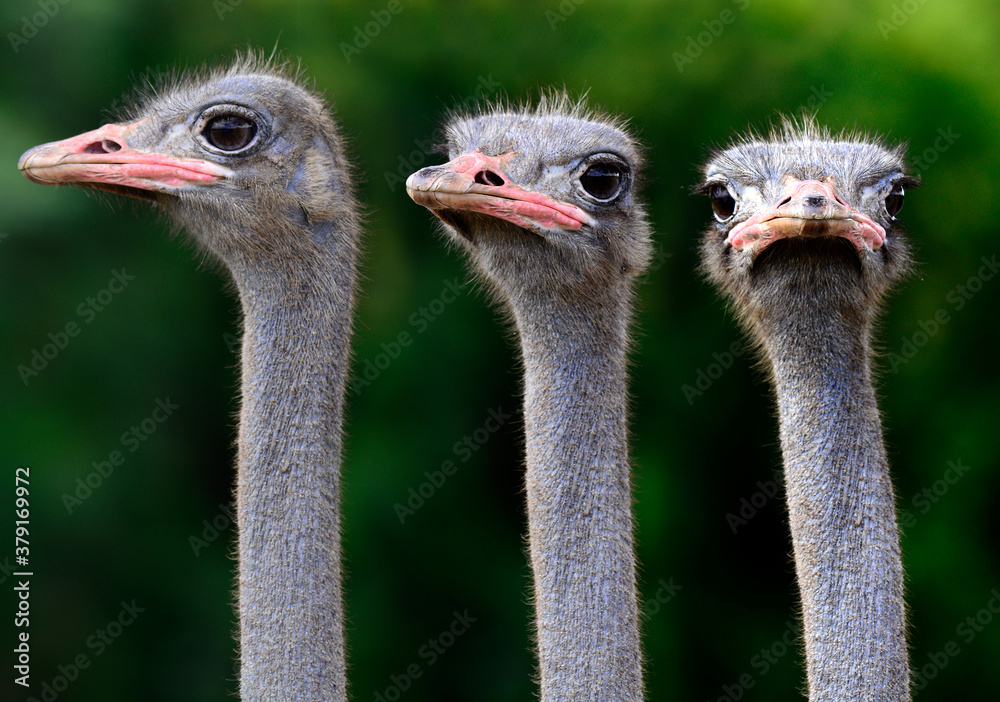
{"points": [[690, 75]]}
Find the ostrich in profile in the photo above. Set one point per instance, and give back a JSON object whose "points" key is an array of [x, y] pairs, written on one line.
{"points": [[543, 201], [249, 162], [805, 244]]}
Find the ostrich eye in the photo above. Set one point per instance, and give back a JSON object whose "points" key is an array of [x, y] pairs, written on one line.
{"points": [[230, 132], [723, 202], [894, 200], [602, 180]]}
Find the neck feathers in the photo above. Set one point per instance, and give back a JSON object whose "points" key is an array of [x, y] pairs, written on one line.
{"points": [[840, 498], [297, 319], [579, 499]]}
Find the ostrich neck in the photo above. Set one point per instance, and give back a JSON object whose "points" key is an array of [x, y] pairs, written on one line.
{"points": [[841, 503], [579, 498], [295, 356]]}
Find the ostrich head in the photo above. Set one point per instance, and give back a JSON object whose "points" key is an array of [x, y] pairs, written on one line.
{"points": [[245, 158], [543, 199], [805, 217]]}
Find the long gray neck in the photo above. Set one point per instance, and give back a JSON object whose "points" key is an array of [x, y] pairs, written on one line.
{"points": [[295, 354], [579, 499], [840, 501]]}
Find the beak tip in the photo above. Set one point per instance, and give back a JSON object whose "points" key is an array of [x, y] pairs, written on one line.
{"points": [[24, 163]]}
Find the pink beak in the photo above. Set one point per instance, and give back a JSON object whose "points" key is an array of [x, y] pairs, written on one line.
{"points": [[808, 208], [104, 159], [474, 182]]}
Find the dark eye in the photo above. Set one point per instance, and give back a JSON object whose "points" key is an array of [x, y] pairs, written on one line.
{"points": [[723, 202], [602, 180], [230, 132], [894, 200]]}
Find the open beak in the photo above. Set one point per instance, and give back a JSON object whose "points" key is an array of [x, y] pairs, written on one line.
{"points": [[475, 182], [808, 208], [105, 159]]}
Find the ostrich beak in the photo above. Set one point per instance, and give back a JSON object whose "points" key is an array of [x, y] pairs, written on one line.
{"points": [[105, 159], [474, 182], [806, 209]]}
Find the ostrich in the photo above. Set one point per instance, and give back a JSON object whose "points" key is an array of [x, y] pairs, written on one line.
{"points": [[805, 244], [543, 202], [249, 162]]}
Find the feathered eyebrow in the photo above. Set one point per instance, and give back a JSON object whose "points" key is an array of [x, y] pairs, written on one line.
{"points": [[706, 187]]}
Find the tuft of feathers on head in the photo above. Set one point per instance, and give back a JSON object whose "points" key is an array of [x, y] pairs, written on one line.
{"points": [[754, 149], [156, 83], [552, 102]]}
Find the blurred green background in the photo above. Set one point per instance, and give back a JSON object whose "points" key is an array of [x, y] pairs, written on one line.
{"points": [[719, 605]]}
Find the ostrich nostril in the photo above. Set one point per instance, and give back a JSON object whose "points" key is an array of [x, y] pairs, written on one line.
{"points": [[489, 178], [104, 146]]}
